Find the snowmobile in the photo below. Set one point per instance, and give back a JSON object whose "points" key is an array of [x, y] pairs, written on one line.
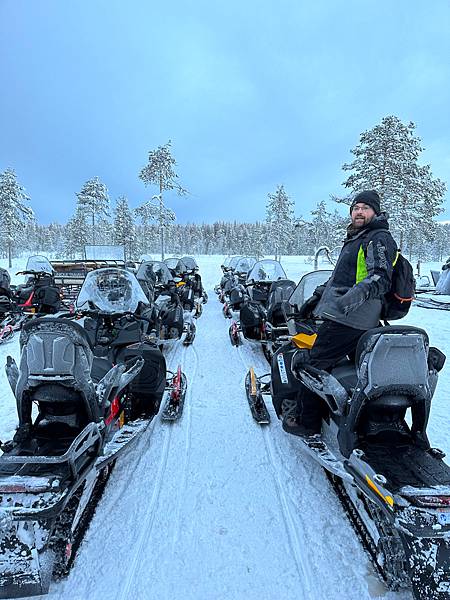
{"points": [[235, 291], [10, 318], [227, 281], [89, 413], [188, 284], [39, 294], [161, 289], [261, 316], [192, 279], [11, 323], [5, 293], [394, 486]]}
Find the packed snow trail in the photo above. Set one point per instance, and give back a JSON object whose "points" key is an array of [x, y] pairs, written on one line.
{"points": [[213, 507], [216, 511]]}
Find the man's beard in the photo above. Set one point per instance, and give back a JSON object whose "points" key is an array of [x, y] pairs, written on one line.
{"points": [[360, 223]]}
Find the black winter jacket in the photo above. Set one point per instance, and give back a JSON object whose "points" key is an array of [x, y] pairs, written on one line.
{"points": [[354, 293]]}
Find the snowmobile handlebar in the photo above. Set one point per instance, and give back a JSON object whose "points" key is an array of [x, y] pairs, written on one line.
{"points": [[95, 312]]}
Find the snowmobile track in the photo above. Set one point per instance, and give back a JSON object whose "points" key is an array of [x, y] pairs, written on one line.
{"points": [[147, 525], [302, 562], [125, 590], [187, 446]]}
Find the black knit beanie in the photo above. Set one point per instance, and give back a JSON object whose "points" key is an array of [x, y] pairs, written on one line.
{"points": [[369, 197]]}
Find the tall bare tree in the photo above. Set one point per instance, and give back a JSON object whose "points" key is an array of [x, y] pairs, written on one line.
{"points": [[160, 171]]}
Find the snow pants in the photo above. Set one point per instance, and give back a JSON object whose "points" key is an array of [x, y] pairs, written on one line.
{"points": [[334, 342]]}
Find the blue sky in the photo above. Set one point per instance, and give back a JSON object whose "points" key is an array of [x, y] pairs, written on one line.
{"points": [[252, 94]]}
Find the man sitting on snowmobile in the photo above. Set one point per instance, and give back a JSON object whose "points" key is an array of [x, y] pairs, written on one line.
{"points": [[349, 303]]}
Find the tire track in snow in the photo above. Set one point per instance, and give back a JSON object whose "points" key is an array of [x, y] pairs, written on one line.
{"points": [[151, 512], [303, 564], [187, 422], [125, 588]]}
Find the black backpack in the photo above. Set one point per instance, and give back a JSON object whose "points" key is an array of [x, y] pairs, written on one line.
{"points": [[398, 300]]}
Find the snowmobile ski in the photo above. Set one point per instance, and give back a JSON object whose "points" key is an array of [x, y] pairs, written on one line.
{"points": [[6, 333], [255, 398], [190, 335], [233, 332], [226, 311], [173, 408]]}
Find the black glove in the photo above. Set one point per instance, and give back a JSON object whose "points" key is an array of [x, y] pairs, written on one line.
{"points": [[23, 433], [352, 298]]}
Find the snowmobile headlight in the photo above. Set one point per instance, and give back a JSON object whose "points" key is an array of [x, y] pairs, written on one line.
{"points": [[431, 501]]}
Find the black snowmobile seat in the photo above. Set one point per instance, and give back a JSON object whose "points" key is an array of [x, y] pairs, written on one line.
{"points": [[345, 373], [56, 355]]}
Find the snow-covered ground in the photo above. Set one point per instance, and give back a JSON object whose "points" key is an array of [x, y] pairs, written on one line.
{"points": [[215, 507]]}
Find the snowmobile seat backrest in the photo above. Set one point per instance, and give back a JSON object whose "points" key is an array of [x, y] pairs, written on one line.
{"points": [[55, 324], [393, 360], [57, 351]]}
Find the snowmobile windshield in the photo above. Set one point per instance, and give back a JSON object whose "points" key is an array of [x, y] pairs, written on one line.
{"points": [[226, 262], [306, 286], [234, 261], [189, 262], [443, 283], [154, 272], [39, 264], [111, 290], [266, 270], [282, 289], [245, 264], [176, 265]]}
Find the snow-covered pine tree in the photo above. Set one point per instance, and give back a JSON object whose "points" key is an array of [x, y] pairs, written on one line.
{"points": [[124, 227], [104, 231], [76, 234], [386, 159], [326, 228], [160, 171], [280, 218], [441, 244], [93, 200], [14, 213]]}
